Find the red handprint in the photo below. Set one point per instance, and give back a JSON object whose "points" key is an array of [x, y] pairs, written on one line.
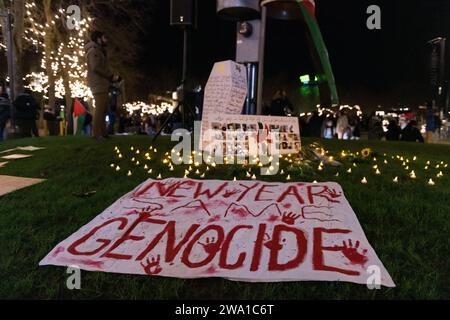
{"points": [[210, 246], [333, 195], [290, 218], [350, 251], [152, 267]]}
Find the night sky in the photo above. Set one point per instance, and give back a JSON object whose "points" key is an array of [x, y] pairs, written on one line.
{"points": [[382, 67], [387, 66]]}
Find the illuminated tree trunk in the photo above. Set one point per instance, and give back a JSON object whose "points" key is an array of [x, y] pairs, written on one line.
{"points": [[48, 50], [19, 27], [68, 96], [3, 10], [18, 10]]}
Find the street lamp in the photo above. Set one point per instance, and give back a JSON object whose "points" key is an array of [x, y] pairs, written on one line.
{"points": [[246, 14]]}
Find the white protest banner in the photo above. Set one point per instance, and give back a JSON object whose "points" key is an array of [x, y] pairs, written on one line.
{"points": [[240, 230], [251, 135]]}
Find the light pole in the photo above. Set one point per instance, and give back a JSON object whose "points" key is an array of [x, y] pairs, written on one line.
{"points": [[437, 72], [246, 13]]}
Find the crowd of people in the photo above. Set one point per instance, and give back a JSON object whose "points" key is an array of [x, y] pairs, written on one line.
{"points": [[344, 125], [105, 119], [26, 112], [151, 124], [348, 125]]}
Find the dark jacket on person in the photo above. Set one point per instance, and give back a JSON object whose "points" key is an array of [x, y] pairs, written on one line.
{"points": [[99, 76], [26, 107], [281, 107], [437, 122], [393, 133], [376, 132], [315, 125], [5, 111], [412, 134]]}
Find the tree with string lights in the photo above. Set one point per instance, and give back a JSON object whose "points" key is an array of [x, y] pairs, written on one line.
{"points": [[56, 52], [17, 8], [63, 67]]}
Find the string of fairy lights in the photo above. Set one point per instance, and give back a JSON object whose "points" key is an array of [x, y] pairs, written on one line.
{"points": [[332, 111], [67, 58], [412, 169], [148, 109]]}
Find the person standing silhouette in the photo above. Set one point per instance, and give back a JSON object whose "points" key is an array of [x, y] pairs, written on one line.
{"points": [[99, 78]]}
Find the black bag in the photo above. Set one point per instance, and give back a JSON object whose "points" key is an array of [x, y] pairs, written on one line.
{"points": [[49, 116]]}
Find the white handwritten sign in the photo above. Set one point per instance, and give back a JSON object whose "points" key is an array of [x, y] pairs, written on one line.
{"points": [[239, 230], [226, 89]]}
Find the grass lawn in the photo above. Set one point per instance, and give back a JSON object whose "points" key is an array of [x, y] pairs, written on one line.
{"points": [[407, 223]]}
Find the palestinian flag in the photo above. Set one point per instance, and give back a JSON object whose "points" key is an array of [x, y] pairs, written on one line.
{"points": [[79, 116], [320, 52]]}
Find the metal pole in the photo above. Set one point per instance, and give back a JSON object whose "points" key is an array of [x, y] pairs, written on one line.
{"points": [[250, 106], [185, 55], [184, 75], [262, 47], [442, 75]]}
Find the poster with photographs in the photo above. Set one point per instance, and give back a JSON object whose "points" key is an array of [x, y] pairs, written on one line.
{"points": [[250, 135]]}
